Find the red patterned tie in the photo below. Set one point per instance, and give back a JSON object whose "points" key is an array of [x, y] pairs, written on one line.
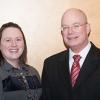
{"points": [[75, 69]]}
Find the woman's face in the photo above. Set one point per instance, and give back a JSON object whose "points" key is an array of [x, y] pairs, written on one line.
{"points": [[11, 44]]}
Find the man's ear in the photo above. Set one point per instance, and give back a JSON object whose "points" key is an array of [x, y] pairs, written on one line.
{"points": [[88, 28]]}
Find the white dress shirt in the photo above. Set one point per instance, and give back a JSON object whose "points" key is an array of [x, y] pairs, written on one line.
{"points": [[83, 55]]}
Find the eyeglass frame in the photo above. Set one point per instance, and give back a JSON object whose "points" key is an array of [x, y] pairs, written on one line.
{"points": [[73, 27]]}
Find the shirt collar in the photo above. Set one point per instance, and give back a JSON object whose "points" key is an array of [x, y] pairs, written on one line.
{"points": [[8, 67], [82, 53]]}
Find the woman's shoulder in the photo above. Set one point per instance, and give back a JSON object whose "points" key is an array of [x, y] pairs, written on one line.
{"points": [[32, 70]]}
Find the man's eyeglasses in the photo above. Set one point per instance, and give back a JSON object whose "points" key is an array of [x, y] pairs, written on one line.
{"points": [[73, 27]]}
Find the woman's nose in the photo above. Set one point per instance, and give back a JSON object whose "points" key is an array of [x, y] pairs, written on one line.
{"points": [[13, 43]]}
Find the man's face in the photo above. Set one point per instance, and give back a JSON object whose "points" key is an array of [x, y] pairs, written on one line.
{"points": [[75, 30]]}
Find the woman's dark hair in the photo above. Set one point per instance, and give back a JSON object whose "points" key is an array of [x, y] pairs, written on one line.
{"points": [[23, 57]]}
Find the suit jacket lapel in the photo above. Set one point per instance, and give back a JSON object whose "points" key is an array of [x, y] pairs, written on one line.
{"points": [[89, 65], [64, 69]]}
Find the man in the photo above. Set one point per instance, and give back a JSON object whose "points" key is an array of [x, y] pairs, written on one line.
{"points": [[63, 80]]}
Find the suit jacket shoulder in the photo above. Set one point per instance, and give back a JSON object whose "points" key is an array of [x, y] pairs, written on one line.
{"points": [[58, 56], [95, 51]]}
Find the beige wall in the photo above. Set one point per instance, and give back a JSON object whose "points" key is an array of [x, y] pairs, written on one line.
{"points": [[40, 20]]}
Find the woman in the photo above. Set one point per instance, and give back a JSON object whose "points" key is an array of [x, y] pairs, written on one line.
{"points": [[18, 81]]}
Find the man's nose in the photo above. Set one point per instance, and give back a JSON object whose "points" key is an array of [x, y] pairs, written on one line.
{"points": [[70, 29]]}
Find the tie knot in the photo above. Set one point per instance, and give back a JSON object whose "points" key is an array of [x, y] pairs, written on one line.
{"points": [[76, 58]]}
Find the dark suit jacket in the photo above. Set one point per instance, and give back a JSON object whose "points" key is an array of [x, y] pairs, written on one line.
{"points": [[56, 78]]}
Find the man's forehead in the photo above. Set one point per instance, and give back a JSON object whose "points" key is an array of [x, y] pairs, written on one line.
{"points": [[74, 14]]}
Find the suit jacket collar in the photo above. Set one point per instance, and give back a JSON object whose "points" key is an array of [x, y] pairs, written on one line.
{"points": [[90, 64]]}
